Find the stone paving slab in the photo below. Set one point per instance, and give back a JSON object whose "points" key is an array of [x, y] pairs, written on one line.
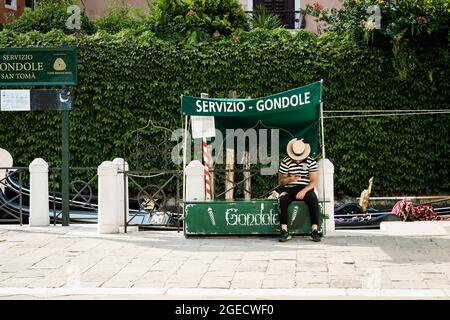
{"points": [[68, 262], [415, 228], [222, 294]]}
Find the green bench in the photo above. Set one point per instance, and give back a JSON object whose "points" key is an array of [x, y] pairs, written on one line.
{"points": [[244, 217]]}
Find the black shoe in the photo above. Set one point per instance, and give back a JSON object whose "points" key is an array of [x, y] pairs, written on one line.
{"points": [[285, 236], [315, 236]]}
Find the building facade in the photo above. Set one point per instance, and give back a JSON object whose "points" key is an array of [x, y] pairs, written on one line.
{"points": [[289, 11], [97, 8], [9, 9]]}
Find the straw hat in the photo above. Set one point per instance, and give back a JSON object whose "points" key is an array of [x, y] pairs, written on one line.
{"points": [[298, 150]]}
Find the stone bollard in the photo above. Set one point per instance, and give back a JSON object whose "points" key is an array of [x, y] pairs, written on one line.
{"points": [[6, 161], [39, 207], [122, 191], [107, 198], [195, 181], [326, 191]]}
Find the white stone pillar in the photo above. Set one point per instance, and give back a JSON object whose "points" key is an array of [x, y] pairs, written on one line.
{"points": [[122, 192], [6, 161], [39, 207], [195, 181], [107, 198], [325, 190]]}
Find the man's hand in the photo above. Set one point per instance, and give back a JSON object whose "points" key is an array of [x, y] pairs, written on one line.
{"points": [[284, 179], [300, 195], [293, 179]]}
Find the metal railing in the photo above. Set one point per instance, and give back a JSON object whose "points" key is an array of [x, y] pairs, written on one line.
{"points": [[11, 191], [82, 201], [149, 191], [148, 200], [222, 174]]}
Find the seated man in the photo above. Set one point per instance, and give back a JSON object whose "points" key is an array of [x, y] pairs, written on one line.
{"points": [[298, 175]]}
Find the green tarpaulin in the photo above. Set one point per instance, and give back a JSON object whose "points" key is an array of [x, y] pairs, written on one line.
{"points": [[295, 112]]}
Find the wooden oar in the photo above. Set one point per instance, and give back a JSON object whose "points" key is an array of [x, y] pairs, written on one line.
{"points": [[439, 200], [408, 197]]}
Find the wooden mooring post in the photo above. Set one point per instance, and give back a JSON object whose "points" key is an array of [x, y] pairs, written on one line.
{"points": [[229, 178], [247, 176]]}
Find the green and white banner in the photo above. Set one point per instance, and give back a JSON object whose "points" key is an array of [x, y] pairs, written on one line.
{"points": [[244, 217], [292, 100], [296, 112]]}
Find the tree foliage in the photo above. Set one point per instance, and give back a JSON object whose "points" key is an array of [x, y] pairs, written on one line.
{"points": [[119, 17], [263, 19], [421, 22], [49, 15], [197, 19]]}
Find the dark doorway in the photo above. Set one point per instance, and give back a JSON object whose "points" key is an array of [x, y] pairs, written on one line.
{"points": [[29, 4], [283, 8]]}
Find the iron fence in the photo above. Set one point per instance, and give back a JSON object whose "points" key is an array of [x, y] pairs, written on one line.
{"points": [[83, 204], [153, 196], [11, 194], [149, 200]]}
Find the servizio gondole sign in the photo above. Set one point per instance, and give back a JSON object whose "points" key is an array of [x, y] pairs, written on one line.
{"points": [[38, 66], [291, 100], [244, 217], [297, 111], [25, 67]]}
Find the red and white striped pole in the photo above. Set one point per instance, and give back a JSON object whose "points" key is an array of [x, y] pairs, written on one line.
{"points": [[208, 192], [206, 170]]}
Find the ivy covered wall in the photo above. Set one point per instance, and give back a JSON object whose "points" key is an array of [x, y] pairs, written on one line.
{"points": [[127, 79]]}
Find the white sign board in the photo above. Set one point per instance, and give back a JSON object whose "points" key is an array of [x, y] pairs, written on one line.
{"points": [[15, 100], [203, 126]]}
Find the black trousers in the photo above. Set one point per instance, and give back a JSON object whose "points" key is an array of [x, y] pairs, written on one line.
{"points": [[288, 195]]}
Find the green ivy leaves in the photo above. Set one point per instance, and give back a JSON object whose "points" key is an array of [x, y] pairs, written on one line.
{"points": [[125, 80]]}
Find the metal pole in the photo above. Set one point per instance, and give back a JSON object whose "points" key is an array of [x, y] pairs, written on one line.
{"points": [[20, 197], [321, 120], [125, 198], [322, 135], [185, 134], [184, 155], [178, 197], [65, 167], [323, 152], [54, 199]]}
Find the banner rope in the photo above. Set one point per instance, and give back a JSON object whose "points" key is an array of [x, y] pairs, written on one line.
{"points": [[387, 114], [387, 110]]}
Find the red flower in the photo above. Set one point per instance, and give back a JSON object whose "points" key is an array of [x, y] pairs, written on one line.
{"points": [[317, 6]]}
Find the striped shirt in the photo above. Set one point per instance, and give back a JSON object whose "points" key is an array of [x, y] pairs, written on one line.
{"points": [[302, 170]]}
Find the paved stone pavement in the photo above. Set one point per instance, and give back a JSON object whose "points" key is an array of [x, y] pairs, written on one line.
{"points": [[77, 263]]}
